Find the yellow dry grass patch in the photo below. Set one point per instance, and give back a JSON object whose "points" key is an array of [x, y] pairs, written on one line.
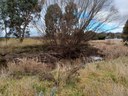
{"points": [[107, 42], [13, 45], [13, 42]]}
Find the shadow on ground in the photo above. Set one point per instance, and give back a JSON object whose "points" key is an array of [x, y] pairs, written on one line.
{"points": [[47, 54]]}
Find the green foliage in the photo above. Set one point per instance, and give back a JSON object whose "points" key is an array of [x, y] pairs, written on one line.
{"points": [[39, 88], [17, 14], [125, 32], [101, 36], [110, 35], [52, 19], [3, 14]]}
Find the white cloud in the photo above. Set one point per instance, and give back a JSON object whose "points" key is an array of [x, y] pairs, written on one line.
{"points": [[122, 6], [119, 29]]}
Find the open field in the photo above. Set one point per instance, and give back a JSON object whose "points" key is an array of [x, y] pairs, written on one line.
{"points": [[13, 42], [63, 48], [107, 49], [94, 79], [32, 77], [108, 41], [111, 48], [36, 48]]}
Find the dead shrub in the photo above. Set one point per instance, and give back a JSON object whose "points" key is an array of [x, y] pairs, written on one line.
{"points": [[26, 67]]}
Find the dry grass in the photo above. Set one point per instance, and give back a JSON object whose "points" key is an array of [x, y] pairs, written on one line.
{"points": [[107, 42], [26, 67], [15, 42], [106, 78], [27, 86], [13, 45], [96, 79], [111, 48], [113, 51]]}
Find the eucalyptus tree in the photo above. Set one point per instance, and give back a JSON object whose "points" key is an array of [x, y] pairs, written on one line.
{"points": [[3, 17], [18, 15], [52, 21]]}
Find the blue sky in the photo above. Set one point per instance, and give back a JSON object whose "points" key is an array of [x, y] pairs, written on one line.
{"points": [[105, 27]]}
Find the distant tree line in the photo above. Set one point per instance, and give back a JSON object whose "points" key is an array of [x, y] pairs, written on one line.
{"points": [[105, 35]]}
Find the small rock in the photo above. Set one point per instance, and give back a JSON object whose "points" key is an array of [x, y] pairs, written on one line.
{"points": [[96, 58]]}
